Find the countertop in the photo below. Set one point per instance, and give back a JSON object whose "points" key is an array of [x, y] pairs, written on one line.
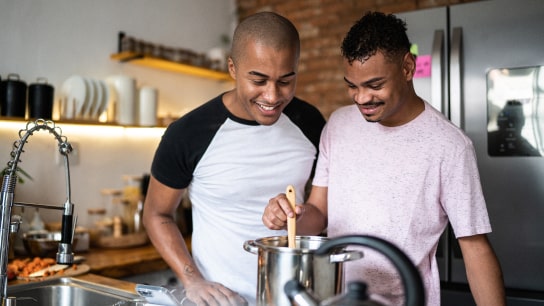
{"points": [[117, 263], [111, 265], [123, 262]]}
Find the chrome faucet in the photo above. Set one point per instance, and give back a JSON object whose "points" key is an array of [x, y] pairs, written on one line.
{"points": [[7, 194]]}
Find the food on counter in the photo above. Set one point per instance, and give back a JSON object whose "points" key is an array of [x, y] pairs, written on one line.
{"points": [[26, 266], [11, 274]]}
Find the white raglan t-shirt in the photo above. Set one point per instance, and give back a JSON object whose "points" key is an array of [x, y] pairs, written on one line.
{"points": [[231, 168]]}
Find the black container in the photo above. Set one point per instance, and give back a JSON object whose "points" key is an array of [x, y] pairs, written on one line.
{"points": [[12, 96], [40, 99]]}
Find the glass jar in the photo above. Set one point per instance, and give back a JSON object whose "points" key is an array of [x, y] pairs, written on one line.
{"points": [[97, 225], [131, 197]]}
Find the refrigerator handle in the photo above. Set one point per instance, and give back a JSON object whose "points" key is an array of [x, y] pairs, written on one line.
{"points": [[456, 108], [437, 73]]}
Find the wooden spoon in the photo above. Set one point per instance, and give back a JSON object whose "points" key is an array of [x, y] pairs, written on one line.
{"points": [[291, 222]]}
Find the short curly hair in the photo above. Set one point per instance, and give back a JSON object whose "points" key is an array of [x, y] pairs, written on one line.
{"points": [[374, 32]]}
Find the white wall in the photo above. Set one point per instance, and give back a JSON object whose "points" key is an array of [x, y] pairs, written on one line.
{"points": [[59, 38]]}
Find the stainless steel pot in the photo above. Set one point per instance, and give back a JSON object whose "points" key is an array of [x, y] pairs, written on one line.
{"points": [[357, 293], [277, 264]]}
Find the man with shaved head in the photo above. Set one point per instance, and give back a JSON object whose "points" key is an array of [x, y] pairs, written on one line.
{"points": [[231, 155]]}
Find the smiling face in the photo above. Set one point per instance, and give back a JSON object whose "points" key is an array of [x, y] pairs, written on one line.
{"points": [[265, 82], [382, 89]]}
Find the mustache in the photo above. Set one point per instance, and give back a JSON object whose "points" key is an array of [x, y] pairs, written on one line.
{"points": [[372, 103]]}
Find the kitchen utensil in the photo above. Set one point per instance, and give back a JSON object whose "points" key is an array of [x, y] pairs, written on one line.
{"points": [[277, 264], [291, 221], [13, 96], [356, 294], [40, 99]]}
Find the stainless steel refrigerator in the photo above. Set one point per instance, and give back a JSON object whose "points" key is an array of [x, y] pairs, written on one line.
{"points": [[482, 64]]}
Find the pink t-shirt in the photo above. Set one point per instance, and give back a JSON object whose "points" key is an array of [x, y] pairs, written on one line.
{"points": [[402, 184]]}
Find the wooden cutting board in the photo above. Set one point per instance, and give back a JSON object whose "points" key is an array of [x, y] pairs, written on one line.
{"points": [[72, 271]]}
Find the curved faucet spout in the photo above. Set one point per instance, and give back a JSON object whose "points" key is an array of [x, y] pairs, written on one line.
{"points": [[64, 147], [7, 195]]}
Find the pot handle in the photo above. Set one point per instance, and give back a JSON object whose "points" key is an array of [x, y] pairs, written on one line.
{"points": [[13, 76], [250, 246], [346, 256], [411, 278], [41, 80]]}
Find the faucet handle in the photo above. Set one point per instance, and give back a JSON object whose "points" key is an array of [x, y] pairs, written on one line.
{"points": [[14, 224], [65, 255]]}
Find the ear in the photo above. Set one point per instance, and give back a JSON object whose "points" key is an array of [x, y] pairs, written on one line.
{"points": [[232, 68], [409, 66]]}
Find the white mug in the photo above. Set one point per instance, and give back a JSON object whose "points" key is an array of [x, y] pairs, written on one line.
{"points": [[147, 106], [125, 109]]}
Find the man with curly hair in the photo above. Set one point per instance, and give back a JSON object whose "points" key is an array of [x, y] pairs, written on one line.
{"points": [[392, 166]]}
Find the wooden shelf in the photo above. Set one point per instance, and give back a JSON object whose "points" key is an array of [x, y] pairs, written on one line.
{"points": [[23, 121], [157, 63]]}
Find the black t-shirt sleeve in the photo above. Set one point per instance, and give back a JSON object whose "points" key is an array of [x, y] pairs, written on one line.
{"points": [[308, 118], [184, 142]]}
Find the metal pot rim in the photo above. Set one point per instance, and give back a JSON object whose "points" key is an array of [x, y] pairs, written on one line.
{"points": [[280, 244]]}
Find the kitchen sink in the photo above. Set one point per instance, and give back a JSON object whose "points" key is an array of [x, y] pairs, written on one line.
{"points": [[68, 291]]}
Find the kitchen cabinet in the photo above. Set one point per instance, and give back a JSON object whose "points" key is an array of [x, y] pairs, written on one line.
{"points": [[157, 63]]}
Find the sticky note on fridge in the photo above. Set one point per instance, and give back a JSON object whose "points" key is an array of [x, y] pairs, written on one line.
{"points": [[423, 66]]}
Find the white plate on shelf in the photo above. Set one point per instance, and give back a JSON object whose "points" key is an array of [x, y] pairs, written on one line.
{"points": [[111, 101], [97, 97], [101, 99], [73, 96], [85, 111]]}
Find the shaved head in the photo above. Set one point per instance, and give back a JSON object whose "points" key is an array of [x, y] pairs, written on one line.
{"points": [[266, 28]]}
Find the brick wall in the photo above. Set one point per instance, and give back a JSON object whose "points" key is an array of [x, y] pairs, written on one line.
{"points": [[322, 25]]}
